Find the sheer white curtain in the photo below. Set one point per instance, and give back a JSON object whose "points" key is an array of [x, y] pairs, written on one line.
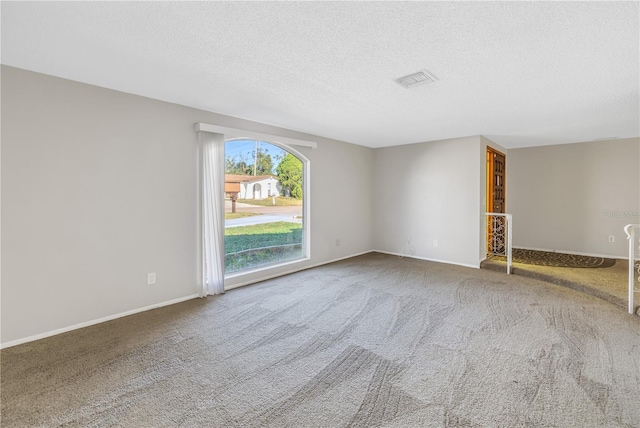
{"points": [[212, 175]]}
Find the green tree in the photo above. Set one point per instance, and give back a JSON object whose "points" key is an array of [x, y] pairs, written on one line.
{"points": [[265, 163], [238, 164], [289, 172], [234, 165]]}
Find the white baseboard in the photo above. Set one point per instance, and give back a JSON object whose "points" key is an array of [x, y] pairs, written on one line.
{"points": [[159, 305], [93, 322], [290, 271], [193, 296], [429, 259], [577, 253]]}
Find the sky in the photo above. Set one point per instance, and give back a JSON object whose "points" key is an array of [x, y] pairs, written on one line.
{"points": [[244, 149]]}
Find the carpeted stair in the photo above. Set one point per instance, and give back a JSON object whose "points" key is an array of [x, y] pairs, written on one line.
{"points": [[600, 277]]}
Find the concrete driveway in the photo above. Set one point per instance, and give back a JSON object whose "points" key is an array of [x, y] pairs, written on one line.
{"points": [[246, 208], [269, 214], [259, 219]]}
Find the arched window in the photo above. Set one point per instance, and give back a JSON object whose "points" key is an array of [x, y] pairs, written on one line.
{"points": [[266, 224]]}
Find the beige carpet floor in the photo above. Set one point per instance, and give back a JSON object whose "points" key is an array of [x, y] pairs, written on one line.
{"points": [[610, 283], [373, 341]]}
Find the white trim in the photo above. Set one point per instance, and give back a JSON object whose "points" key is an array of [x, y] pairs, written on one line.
{"points": [[576, 253], [194, 296], [428, 259], [242, 133], [93, 322], [288, 272], [167, 303], [306, 203], [263, 268]]}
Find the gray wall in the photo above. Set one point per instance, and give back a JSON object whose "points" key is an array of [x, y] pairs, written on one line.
{"points": [[572, 197], [100, 187], [430, 191]]}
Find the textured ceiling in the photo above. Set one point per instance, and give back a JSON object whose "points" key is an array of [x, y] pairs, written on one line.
{"points": [[520, 73]]}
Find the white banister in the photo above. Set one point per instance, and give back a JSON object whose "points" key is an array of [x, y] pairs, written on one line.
{"points": [[499, 243], [633, 235]]}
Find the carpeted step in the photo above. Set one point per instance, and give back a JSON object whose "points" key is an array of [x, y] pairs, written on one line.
{"points": [[556, 276]]}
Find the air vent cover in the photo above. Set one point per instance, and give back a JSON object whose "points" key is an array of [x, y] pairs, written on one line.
{"points": [[415, 79]]}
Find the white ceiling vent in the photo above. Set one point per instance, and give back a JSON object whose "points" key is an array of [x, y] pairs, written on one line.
{"points": [[415, 79]]}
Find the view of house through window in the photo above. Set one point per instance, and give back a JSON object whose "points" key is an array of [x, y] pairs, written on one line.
{"points": [[263, 205]]}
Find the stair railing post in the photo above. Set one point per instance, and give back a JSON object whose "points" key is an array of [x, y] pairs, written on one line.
{"points": [[509, 242], [631, 230]]}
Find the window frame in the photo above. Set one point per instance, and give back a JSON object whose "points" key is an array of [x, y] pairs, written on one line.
{"points": [[306, 218]]}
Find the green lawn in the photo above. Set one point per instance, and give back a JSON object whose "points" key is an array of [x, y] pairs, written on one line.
{"points": [[281, 201], [260, 244], [261, 235]]}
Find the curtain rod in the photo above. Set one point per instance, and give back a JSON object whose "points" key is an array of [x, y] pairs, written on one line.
{"points": [[239, 133]]}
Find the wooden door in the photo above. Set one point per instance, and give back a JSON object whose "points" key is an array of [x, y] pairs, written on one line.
{"points": [[496, 185], [496, 203]]}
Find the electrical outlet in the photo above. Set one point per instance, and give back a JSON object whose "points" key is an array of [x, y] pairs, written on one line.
{"points": [[337, 242], [435, 242], [612, 238], [151, 278]]}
